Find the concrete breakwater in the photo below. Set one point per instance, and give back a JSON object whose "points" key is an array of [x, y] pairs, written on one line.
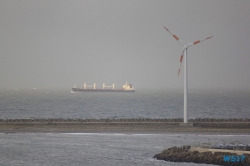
{"points": [[185, 154], [199, 122], [125, 125]]}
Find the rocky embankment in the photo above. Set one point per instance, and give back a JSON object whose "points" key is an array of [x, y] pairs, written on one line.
{"points": [[196, 121], [199, 122], [125, 125], [178, 154]]}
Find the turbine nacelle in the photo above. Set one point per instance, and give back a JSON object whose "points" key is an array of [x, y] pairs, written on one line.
{"points": [[186, 46]]}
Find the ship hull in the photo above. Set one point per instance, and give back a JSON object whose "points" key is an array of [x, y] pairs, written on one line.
{"points": [[100, 90]]}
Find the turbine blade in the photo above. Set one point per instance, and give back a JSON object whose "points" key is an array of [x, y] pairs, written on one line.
{"points": [[181, 58], [178, 39], [198, 41]]}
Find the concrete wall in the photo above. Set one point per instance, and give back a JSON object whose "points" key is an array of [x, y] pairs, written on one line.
{"points": [[206, 123]]}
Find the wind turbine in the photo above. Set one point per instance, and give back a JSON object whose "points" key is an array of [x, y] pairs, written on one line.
{"points": [[184, 53]]}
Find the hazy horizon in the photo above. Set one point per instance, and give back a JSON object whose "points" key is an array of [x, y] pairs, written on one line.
{"points": [[56, 44]]}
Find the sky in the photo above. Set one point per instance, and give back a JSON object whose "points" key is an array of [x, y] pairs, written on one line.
{"points": [[59, 43]]}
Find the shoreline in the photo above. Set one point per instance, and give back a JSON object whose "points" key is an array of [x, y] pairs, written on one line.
{"points": [[220, 126], [118, 128]]}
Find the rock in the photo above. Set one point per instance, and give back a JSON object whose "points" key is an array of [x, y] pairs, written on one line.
{"points": [[178, 154]]}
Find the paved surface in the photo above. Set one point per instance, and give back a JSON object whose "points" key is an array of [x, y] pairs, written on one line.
{"points": [[115, 127]]}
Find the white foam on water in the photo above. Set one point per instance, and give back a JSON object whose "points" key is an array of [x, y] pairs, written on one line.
{"points": [[118, 134]]}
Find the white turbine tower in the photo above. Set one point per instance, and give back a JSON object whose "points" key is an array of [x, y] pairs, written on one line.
{"points": [[184, 52]]}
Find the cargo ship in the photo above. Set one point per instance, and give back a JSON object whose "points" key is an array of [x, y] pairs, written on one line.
{"points": [[92, 88]]}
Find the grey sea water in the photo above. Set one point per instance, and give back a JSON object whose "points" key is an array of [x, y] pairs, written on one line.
{"points": [[31, 149], [141, 104], [34, 149]]}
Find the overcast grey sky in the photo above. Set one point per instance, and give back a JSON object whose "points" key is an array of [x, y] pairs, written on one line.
{"points": [[49, 44]]}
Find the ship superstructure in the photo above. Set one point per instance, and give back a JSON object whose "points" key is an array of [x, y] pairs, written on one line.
{"points": [[105, 88]]}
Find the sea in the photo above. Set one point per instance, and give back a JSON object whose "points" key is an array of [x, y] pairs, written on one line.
{"points": [[35, 103], [28, 149]]}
